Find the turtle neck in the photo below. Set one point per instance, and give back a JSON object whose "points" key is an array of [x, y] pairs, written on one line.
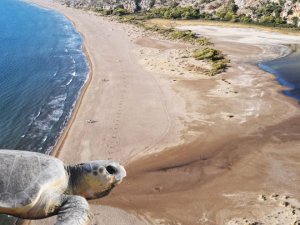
{"points": [[75, 174]]}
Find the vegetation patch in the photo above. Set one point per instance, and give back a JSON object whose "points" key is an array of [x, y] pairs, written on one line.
{"points": [[118, 11], [208, 54], [174, 12], [219, 66], [203, 41], [266, 13], [185, 35], [203, 51], [217, 59]]}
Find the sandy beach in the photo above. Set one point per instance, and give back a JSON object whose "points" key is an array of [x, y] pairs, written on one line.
{"points": [[197, 149]]}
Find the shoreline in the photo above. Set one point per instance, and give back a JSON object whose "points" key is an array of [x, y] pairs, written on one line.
{"points": [[58, 145], [58, 149], [64, 133], [166, 163], [60, 142], [283, 76]]}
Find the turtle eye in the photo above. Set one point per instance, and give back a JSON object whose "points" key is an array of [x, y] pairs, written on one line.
{"points": [[111, 170]]}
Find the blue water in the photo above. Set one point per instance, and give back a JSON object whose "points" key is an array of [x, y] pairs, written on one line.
{"points": [[287, 72], [42, 70]]}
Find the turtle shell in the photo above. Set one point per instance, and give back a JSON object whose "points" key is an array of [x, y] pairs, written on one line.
{"points": [[24, 176]]}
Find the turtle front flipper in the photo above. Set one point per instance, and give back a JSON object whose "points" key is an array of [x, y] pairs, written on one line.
{"points": [[74, 210]]}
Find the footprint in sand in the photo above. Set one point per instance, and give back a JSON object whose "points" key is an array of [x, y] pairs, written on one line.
{"points": [[272, 209], [114, 139]]}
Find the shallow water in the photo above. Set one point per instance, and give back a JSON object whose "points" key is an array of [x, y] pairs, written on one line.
{"points": [[42, 70], [287, 72]]}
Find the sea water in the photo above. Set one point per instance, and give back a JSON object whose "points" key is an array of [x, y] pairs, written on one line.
{"points": [[287, 72], [42, 70]]}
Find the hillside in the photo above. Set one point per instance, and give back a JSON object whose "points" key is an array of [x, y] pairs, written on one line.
{"points": [[263, 11]]}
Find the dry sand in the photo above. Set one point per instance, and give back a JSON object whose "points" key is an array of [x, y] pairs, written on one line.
{"points": [[230, 142]]}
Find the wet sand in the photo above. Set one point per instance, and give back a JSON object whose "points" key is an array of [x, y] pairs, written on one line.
{"points": [[198, 149]]}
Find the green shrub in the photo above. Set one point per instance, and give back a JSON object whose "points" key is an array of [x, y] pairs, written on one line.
{"points": [[245, 19], [185, 35], [279, 20], [203, 41], [221, 14], [119, 12], [208, 54], [218, 67], [175, 13], [267, 19], [107, 12], [128, 18], [219, 63]]}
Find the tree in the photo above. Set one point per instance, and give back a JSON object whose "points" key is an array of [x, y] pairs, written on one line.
{"points": [[234, 8]]}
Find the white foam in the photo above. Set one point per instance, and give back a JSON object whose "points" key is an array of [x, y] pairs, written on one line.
{"points": [[69, 82], [58, 100], [42, 125], [44, 139], [55, 115]]}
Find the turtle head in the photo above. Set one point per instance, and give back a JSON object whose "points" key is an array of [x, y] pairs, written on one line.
{"points": [[95, 179]]}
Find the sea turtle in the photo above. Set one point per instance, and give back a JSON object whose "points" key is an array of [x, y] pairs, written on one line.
{"points": [[36, 186]]}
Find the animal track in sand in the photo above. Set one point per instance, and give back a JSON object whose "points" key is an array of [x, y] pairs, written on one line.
{"points": [[272, 209], [114, 139]]}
